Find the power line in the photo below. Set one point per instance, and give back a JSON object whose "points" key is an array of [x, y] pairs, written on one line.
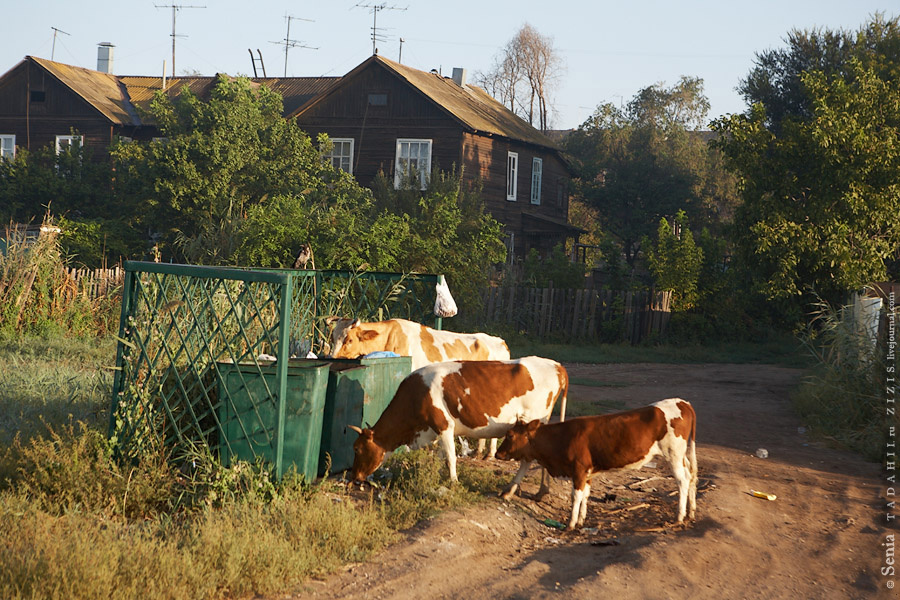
{"points": [[175, 8], [375, 8], [288, 43], [55, 31]]}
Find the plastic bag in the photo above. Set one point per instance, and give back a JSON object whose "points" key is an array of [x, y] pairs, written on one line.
{"points": [[444, 304]]}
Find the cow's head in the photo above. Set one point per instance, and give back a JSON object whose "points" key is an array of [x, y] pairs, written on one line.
{"points": [[367, 455], [350, 338], [517, 443]]}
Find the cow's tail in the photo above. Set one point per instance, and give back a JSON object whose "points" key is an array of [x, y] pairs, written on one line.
{"points": [[692, 456], [563, 394]]}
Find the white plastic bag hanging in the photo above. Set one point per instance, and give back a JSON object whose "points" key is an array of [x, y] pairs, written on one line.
{"points": [[444, 304]]}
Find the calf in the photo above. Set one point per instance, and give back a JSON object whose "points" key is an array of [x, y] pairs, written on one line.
{"points": [[473, 398], [582, 446], [351, 338]]}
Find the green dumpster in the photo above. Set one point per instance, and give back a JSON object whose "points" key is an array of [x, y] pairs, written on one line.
{"points": [[358, 392], [257, 423]]}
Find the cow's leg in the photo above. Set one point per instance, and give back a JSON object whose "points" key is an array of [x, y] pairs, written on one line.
{"points": [[447, 439], [691, 456], [514, 486], [493, 451], [481, 442], [584, 503], [683, 479], [581, 489]]}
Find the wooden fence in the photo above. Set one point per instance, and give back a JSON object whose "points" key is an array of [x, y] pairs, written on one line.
{"points": [[94, 284], [604, 315]]}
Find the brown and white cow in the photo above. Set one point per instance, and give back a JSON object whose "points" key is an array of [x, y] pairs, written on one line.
{"points": [[351, 338], [478, 399], [580, 447]]}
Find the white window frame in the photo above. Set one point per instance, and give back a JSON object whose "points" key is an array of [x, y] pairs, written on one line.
{"points": [[7, 146], [72, 139], [401, 170], [537, 177], [512, 175], [341, 160]]}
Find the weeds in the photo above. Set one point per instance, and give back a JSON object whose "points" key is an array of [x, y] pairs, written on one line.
{"points": [[842, 398]]}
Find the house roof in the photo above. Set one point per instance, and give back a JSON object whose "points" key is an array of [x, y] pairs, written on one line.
{"points": [[470, 105], [117, 96], [295, 91], [101, 90]]}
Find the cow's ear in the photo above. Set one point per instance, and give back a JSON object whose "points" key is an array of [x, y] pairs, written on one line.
{"points": [[354, 323], [332, 320], [533, 425], [365, 336]]}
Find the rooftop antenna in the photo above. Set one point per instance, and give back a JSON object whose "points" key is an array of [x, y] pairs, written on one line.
{"points": [[55, 31], [260, 60], [400, 56], [375, 8], [175, 8], [288, 43]]}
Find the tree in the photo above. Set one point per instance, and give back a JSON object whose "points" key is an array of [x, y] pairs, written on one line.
{"points": [[819, 163], [676, 261], [525, 71], [648, 161], [218, 159]]}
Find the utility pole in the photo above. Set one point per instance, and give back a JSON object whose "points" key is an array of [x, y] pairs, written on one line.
{"points": [[55, 31], [288, 43], [175, 8], [400, 56], [375, 8]]}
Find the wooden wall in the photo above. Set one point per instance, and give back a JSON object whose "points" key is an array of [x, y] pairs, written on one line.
{"points": [[37, 123]]}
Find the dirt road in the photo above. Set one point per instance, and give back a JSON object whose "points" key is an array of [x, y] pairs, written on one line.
{"points": [[821, 538]]}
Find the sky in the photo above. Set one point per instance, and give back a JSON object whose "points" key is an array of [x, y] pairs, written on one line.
{"points": [[610, 50]]}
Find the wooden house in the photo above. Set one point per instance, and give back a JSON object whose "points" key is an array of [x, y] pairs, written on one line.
{"points": [[381, 116], [387, 117]]}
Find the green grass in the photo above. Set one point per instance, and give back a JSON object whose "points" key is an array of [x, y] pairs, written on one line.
{"points": [[784, 350]]}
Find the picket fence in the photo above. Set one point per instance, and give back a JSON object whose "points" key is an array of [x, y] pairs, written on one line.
{"points": [[94, 284], [585, 314]]}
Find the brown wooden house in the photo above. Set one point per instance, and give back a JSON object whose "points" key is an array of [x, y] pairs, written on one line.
{"points": [[387, 117], [381, 116]]}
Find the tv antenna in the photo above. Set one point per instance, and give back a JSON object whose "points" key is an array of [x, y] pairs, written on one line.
{"points": [[288, 43], [175, 8], [400, 56], [55, 31], [375, 8]]}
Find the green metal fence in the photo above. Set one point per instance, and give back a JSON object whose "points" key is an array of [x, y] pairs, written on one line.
{"points": [[182, 327]]}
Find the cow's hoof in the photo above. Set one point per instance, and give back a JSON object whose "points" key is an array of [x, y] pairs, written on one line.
{"points": [[540, 494], [508, 493]]}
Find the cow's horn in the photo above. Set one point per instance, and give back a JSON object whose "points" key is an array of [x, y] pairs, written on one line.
{"points": [[355, 428]]}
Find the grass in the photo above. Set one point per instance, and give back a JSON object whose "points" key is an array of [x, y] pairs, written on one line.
{"points": [[77, 524], [785, 350]]}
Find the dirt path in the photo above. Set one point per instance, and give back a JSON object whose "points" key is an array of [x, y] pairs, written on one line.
{"points": [[821, 538]]}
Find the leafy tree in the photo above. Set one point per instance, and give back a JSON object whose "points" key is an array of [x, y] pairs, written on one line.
{"points": [[218, 159], [818, 159], [648, 161], [676, 261], [556, 270]]}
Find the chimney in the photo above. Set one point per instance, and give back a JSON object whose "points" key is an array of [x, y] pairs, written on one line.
{"points": [[105, 57], [459, 76]]}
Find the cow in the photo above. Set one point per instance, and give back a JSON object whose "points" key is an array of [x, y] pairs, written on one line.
{"points": [[351, 338], [479, 399], [582, 446]]}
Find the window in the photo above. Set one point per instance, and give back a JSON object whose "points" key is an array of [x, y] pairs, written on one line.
{"points": [[378, 99], [64, 143], [38, 95], [7, 146], [537, 171], [512, 171], [341, 155], [413, 160]]}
